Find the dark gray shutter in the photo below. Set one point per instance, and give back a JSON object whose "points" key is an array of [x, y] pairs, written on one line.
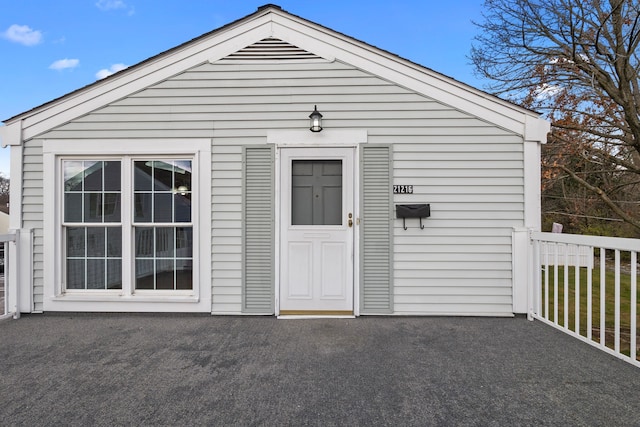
{"points": [[259, 240], [376, 291]]}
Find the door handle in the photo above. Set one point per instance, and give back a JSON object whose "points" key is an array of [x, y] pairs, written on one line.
{"points": [[350, 220]]}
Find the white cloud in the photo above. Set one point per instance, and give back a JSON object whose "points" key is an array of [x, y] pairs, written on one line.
{"points": [[106, 72], [110, 4], [62, 64], [546, 91], [106, 5], [23, 34]]}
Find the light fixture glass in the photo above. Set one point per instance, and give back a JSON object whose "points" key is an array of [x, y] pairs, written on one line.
{"points": [[315, 124]]}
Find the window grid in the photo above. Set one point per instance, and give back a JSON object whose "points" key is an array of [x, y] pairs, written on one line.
{"points": [[159, 262], [111, 264], [165, 264], [93, 259]]}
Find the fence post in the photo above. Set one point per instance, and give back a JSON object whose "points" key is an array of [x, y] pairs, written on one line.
{"points": [[520, 261], [11, 274]]}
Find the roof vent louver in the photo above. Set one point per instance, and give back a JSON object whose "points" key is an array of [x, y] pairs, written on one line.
{"points": [[271, 49]]}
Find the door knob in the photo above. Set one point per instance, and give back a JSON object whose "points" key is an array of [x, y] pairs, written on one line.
{"points": [[350, 220]]}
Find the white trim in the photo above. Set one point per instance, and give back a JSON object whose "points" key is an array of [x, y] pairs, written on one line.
{"points": [[197, 300], [326, 138], [11, 134], [15, 187], [532, 191], [536, 129]]}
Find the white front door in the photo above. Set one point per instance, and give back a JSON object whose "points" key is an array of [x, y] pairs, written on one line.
{"points": [[316, 230]]}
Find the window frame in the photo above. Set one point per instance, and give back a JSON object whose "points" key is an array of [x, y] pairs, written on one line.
{"points": [[57, 297]]}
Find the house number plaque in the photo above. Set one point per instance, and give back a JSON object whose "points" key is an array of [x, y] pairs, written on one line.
{"points": [[403, 189]]}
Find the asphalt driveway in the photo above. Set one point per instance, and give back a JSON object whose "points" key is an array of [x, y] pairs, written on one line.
{"points": [[124, 369]]}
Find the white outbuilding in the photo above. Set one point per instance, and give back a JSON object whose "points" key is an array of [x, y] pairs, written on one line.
{"points": [[195, 181]]}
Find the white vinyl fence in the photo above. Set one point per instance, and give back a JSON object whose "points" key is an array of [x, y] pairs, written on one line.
{"points": [[6, 311], [587, 286]]}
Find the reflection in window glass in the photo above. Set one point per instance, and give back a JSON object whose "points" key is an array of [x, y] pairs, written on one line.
{"points": [[164, 258], [91, 191], [162, 191]]}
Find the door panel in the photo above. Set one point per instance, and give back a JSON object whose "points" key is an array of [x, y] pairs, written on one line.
{"points": [[300, 271], [316, 241]]}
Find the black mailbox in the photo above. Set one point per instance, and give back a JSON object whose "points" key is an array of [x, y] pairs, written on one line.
{"points": [[421, 210]]}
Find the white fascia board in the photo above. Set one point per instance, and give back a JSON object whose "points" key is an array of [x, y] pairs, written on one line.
{"points": [[11, 134], [218, 45], [414, 77]]}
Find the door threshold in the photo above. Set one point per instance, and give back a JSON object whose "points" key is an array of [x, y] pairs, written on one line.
{"points": [[316, 314], [313, 316]]}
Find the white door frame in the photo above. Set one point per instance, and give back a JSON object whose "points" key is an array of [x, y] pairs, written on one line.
{"points": [[325, 139]]}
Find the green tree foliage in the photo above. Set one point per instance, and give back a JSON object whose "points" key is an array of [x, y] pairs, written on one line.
{"points": [[576, 61]]}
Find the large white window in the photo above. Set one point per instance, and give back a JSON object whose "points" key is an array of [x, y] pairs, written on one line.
{"points": [[162, 229], [127, 229]]}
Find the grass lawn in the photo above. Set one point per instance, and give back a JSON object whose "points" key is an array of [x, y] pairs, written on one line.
{"points": [[609, 298]]}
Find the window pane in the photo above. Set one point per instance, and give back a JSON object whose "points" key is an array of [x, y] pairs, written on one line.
{"points": [[316, 192], [75, 274], [164, 242], [93, 176], [143, 173], [142, 202], [112, 176], [164, 274], [184, 274], [92, 207], [182, 175], [114, 274], [73, 207], [96, 242], [184, 242], [114, 242], [95, 274], [162, 208], [162, 176], [73, 175], [144, 274], [111, 207], [182, 206], [144, 242], [76, 242]]}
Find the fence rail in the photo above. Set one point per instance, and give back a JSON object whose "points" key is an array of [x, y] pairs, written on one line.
{"points": [[587, 286]]}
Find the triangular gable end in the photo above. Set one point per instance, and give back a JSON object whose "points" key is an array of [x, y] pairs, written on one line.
{"points": [[273, 34]]}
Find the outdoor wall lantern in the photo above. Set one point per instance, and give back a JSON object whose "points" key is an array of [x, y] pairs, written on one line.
{"points": [[315, 120]]}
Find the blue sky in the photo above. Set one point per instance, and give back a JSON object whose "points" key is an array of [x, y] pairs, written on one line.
{"points": [[50, 48]]}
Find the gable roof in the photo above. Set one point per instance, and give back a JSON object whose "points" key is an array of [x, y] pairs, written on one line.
{"points": [[272, 22]]}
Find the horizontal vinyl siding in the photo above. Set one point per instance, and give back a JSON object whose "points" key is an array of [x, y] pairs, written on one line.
{"points": [[32, 212], [226, 245], [469, 170], [460, 263]]}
